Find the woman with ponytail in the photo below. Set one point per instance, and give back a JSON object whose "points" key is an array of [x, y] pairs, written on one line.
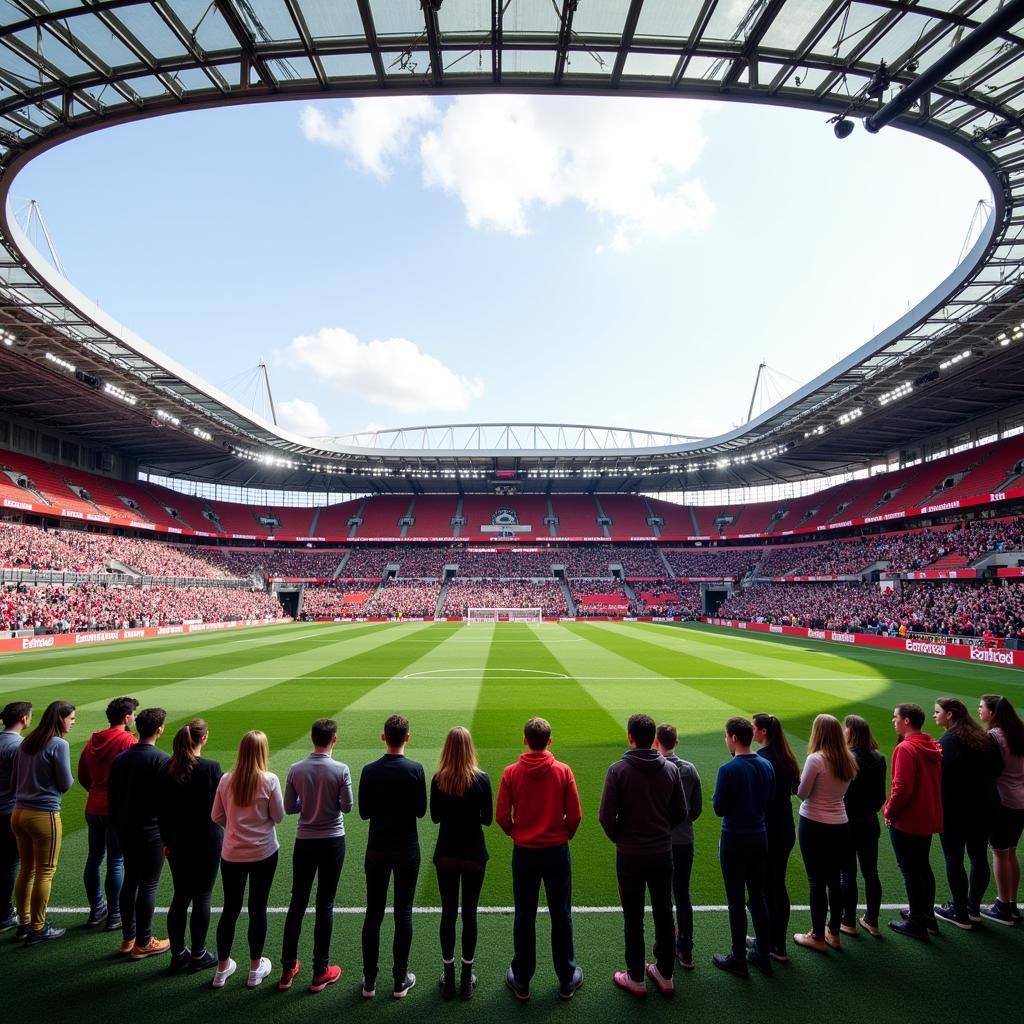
{"points": [[1005, 726], [775, 748], [185, 796], [249, 805]]}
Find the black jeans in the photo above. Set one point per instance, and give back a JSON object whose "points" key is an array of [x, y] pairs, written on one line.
{"points": [[743, 858], [193, 872], [234, 875], [912, 856], [825, 849], [8, 866], [321, 859], [970, 837], [863, 849], [143, 854], [682, 869], [552, 866], [379, 865], [781, 841], [453, 873], [636, 874]]}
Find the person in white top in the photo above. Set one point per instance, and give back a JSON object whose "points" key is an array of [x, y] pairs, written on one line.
{"points": [[1006, 727], [248, 805], [824, 831]]}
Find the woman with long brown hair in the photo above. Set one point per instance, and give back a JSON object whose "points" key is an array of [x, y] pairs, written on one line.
{"points": [[42, 774], [461, 803], [824, 828], [1005, 725], [248, 804], [971, 761], [774, 748], [187, 787], [863, 800]]}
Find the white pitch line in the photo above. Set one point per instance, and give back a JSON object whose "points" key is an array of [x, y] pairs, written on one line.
{"points": [[705, 909], [655, 677]]}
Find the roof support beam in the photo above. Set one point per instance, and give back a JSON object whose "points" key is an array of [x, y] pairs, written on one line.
{"points": [[628, 31], [564, 38], [430, 8]]}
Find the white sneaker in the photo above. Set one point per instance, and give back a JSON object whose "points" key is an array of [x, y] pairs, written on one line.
{"points": [[255, 977], [219, 976]]}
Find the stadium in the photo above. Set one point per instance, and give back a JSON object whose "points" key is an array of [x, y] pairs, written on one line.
{"points": [[857, 544]]}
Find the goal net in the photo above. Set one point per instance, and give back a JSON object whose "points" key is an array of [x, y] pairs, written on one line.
{"points": [[504, 615]]}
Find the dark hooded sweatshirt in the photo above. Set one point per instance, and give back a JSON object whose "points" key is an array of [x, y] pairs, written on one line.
{"points": [[94, 765], [642, 803]]}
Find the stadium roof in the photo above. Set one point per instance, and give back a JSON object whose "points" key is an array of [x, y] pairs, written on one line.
{"points": [[953, 72]]}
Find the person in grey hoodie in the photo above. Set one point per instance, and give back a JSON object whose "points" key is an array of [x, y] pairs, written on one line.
{"points": [[641, 804], [16, 717], [666, 739]]}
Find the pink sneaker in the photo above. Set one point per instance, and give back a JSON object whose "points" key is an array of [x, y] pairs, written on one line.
{"points": [[625, 982], [666, 986]]}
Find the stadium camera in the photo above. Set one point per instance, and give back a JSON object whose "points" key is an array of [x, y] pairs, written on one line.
{"points": [[843, 128]]}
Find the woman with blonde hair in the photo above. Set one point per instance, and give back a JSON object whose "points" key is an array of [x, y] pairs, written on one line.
{"points": [[248, 804], [824, 831], [461, 803]]}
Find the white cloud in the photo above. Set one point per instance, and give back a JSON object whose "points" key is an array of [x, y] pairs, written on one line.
{"points": [[371, 132], [303, 418], [394, 372], [628, 161]]}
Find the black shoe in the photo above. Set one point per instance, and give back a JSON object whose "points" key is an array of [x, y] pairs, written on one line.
{"points": [[685, 959], [9, 922], [401, 989], [521, 992], [44, 934], [96, 916], [467, 983], [731, 963], [179, 961], [915, 931], [22, 932], [568, 989], [931, 925], [762, 963], [113, 923], [202, 962], [447, 982], [947, 912]]}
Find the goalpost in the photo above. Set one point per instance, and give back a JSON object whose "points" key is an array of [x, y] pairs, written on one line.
{"points": [[504, 615]]}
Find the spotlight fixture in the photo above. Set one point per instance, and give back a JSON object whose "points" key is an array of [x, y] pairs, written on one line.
{"points": [[843, 128], [7, 338], [896, 393], [958, 358]]}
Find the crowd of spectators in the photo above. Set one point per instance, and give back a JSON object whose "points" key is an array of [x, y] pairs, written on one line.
{"points": [[547, 596], [517, 563], [89, 606], [409, 599], [332, 600], [296, 563], [942, 609], [717, 563], [675, 599]]}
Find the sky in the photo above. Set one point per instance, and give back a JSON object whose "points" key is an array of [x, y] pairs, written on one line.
{"points": [[406, 261]]}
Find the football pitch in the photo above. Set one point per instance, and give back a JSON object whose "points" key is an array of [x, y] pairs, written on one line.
{"points": [[586, 679]]}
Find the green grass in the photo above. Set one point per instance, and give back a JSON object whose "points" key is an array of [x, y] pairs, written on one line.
{"points": [[586, 678]]}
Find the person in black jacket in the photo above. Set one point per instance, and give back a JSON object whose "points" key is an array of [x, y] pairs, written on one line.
{"points": [[392, 795], [775, 749], [461, 803], [185, 792], [132, 791], [641, 804], [971, 763], [864, 799]]}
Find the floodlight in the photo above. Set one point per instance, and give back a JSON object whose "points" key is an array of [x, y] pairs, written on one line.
{"points": [[843, 128]]}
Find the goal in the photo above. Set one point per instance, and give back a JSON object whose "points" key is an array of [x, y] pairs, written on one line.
{"points": [[504, 615]]}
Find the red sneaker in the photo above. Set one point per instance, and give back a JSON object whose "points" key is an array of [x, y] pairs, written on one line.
{"points": [[287, 977], [329, 977]]}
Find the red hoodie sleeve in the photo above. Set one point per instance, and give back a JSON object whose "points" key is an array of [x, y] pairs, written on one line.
{"points": [[84, 776], [571, 803], [503, 813], [904, 775]]}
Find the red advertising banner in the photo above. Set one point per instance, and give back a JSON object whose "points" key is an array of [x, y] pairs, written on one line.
{"points": [[1011, 571], [936, 648], [933, 574], [99, 636]]}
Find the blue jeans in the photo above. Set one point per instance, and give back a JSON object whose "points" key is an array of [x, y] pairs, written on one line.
{"points": [[103, 842]]}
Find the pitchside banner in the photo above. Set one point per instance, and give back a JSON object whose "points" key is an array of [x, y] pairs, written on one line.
{"points": [[936, 648], [99, 636]]}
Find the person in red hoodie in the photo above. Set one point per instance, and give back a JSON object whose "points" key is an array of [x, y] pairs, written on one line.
{"points": [[539, 807], [93, 774], [913, 813]]}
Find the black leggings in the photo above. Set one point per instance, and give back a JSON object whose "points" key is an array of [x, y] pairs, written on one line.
{"points": [[824, 848], [193, 871], [143, 863], [234, 875], [452, 871], [864, 833], [781, 840]]}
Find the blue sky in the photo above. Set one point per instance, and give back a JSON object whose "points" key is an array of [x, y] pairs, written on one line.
{"points": [[407, 261]]}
